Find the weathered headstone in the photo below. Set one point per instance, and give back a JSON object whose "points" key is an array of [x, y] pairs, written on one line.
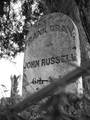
{"points": [[52, 41]]}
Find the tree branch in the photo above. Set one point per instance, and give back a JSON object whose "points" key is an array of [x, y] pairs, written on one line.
{"points": [[51, 88]]}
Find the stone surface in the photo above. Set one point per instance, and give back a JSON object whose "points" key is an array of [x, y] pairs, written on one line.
{"points": [[50, 44]]}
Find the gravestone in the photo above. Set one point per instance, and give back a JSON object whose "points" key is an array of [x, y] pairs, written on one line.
{"points": [[51, 44]]}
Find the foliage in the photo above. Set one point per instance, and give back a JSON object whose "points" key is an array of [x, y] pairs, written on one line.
{"points": [[15, 19], [5, 111], [57, 107], [11, 23]]}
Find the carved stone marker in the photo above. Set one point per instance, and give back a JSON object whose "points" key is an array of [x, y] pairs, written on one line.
{"points": [[50, 44]]}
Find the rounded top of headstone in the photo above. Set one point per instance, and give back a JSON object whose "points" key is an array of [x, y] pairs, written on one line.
{"points": [[47, 20]]}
